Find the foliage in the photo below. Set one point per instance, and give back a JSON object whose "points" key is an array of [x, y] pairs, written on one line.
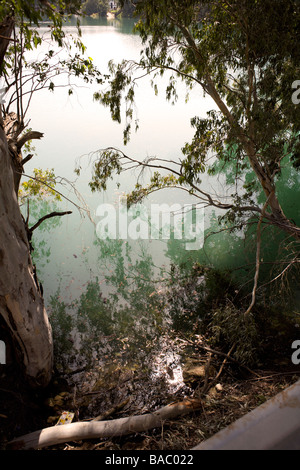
{"points": [[91, 7], [207, 302], [28, 15], [93, 313], [24, 76], [128, 9], [223, 48], [42, 184], [193, 291], [62, 325], [230, 328]]}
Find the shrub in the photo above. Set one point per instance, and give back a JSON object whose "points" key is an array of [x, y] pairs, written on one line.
{"points": [[229, 327]]}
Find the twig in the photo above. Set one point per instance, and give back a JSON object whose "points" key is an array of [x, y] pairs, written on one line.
{"points": [[223, 364], [207, 385], [54, 190], [207, 369], [294, 261], [8, 39], [272, 375], [220, 353]]}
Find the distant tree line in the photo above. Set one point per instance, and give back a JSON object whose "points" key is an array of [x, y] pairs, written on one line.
{"points": [[128, 9], [101, 7], [91, 7]]}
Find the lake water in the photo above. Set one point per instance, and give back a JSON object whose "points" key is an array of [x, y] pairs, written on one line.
{"points": [[75, 266], [74, 126], [90, 278]]}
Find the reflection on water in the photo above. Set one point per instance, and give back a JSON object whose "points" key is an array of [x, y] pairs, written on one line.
{"points": [[104, 289], [73, 127], [124, 25]]}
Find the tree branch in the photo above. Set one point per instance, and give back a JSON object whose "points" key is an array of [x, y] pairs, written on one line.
{"points": [[209, 200], [26, 159], [30, 135], [48, 216], [8, 39], [257, 257], [278, 217], [57, 192]]}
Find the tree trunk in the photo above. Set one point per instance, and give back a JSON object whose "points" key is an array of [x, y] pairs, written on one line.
{"points": [[6, 28], [21, 303]]}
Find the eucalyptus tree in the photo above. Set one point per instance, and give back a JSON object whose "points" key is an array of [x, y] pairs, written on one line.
{"points": [[21, 298], [244, 55]]}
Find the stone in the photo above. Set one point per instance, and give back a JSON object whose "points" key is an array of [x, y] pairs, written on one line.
{"points": [[196, 373]]}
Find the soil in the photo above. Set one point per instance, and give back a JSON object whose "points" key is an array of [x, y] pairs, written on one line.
{"points": [[87, 394]]}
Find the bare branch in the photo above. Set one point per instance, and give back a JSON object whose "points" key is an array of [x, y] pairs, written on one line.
{"points": [[26, 159], [48, 216], [257, 257], [31, 135], [8, 39]]}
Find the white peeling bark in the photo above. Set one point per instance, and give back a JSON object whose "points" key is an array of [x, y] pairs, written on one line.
{"points": [[21, 303], [103, 429]]}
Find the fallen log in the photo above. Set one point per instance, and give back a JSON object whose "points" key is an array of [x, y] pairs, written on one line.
{"points": [[92, 430]]}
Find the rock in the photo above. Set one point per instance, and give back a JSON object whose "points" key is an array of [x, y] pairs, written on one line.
{"points": [[212, 393], [196, 373]]}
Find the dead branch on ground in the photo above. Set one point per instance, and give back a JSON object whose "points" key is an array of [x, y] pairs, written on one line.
{"points": [[93, 430]]}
